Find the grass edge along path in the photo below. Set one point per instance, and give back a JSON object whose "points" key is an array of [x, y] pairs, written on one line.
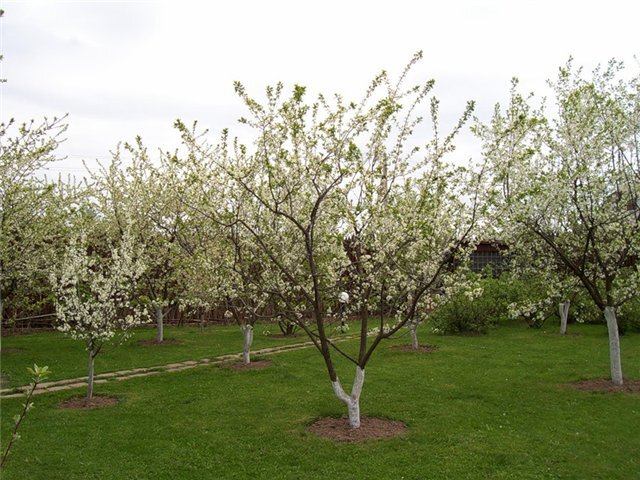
{"points": [[80, 382]]}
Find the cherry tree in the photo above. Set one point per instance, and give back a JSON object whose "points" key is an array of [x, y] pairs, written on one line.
{"points": [[228, 269], [32, 211], [341, 203], [551, 286], [132, 190], [93, 294], [569, 183], [246, 301]]}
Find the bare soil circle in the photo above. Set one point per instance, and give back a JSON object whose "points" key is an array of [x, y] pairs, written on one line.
{"points": [[604, 385], [81, 403], [420, 349], [371, 428], [255, 365]]}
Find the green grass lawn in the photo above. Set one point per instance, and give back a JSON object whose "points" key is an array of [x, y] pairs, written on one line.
{"points": [[494, 406]]}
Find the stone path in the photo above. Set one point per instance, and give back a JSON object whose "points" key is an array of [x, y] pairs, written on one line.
{"points": [[80, 382]]}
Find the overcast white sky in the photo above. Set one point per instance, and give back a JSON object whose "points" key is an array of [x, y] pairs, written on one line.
{"points": [[121, 68]]}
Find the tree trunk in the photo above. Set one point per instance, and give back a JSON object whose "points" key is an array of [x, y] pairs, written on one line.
{"points": [[247, 331], [351, 401], [614, 345], [564, 315], [159, 324], [90, 376], [414, 336]]}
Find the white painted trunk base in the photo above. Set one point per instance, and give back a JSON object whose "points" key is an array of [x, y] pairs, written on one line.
{"points": [[90, 375], [414, 336], [159, 324], [247, 332], [614, 345], [351, 401], [564, 315]]}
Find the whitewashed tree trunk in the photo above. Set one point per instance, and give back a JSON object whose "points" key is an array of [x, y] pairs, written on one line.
{"points": [[351, 401], [90, 375], [159, 324], [413, 328], [247, 331], [614, 345], [564, 315]]}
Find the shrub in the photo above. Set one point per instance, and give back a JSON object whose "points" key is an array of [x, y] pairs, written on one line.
{"points": [[629, 318], [460, 315], [464, 314]]}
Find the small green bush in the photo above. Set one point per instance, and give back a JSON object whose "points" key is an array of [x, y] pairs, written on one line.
{"points": [[629, 318], [464, 315], [460, 315]]}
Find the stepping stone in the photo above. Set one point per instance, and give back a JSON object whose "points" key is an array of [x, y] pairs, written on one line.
{"points": [[14, 395], [137, 375], [139, 370], [184, 367], [171, 366], [63, 387], [62, 382], [77, 385], [15, 390], [48, 384]]}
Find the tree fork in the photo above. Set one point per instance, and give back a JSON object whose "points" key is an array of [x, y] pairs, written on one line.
{"points": [[614, 345], [351, 401]]}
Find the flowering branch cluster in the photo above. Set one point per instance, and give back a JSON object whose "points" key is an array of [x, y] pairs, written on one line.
{"points": [[94, 293]]}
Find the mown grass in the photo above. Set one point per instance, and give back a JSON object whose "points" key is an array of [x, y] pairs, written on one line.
{"points": [[67, 358], [494, 406]]}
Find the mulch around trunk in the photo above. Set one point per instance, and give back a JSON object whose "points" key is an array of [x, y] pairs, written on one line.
{"points": [[155, 343], [420, 349], [81, 403], [604, 385], [254, 365], [371, 428]]}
